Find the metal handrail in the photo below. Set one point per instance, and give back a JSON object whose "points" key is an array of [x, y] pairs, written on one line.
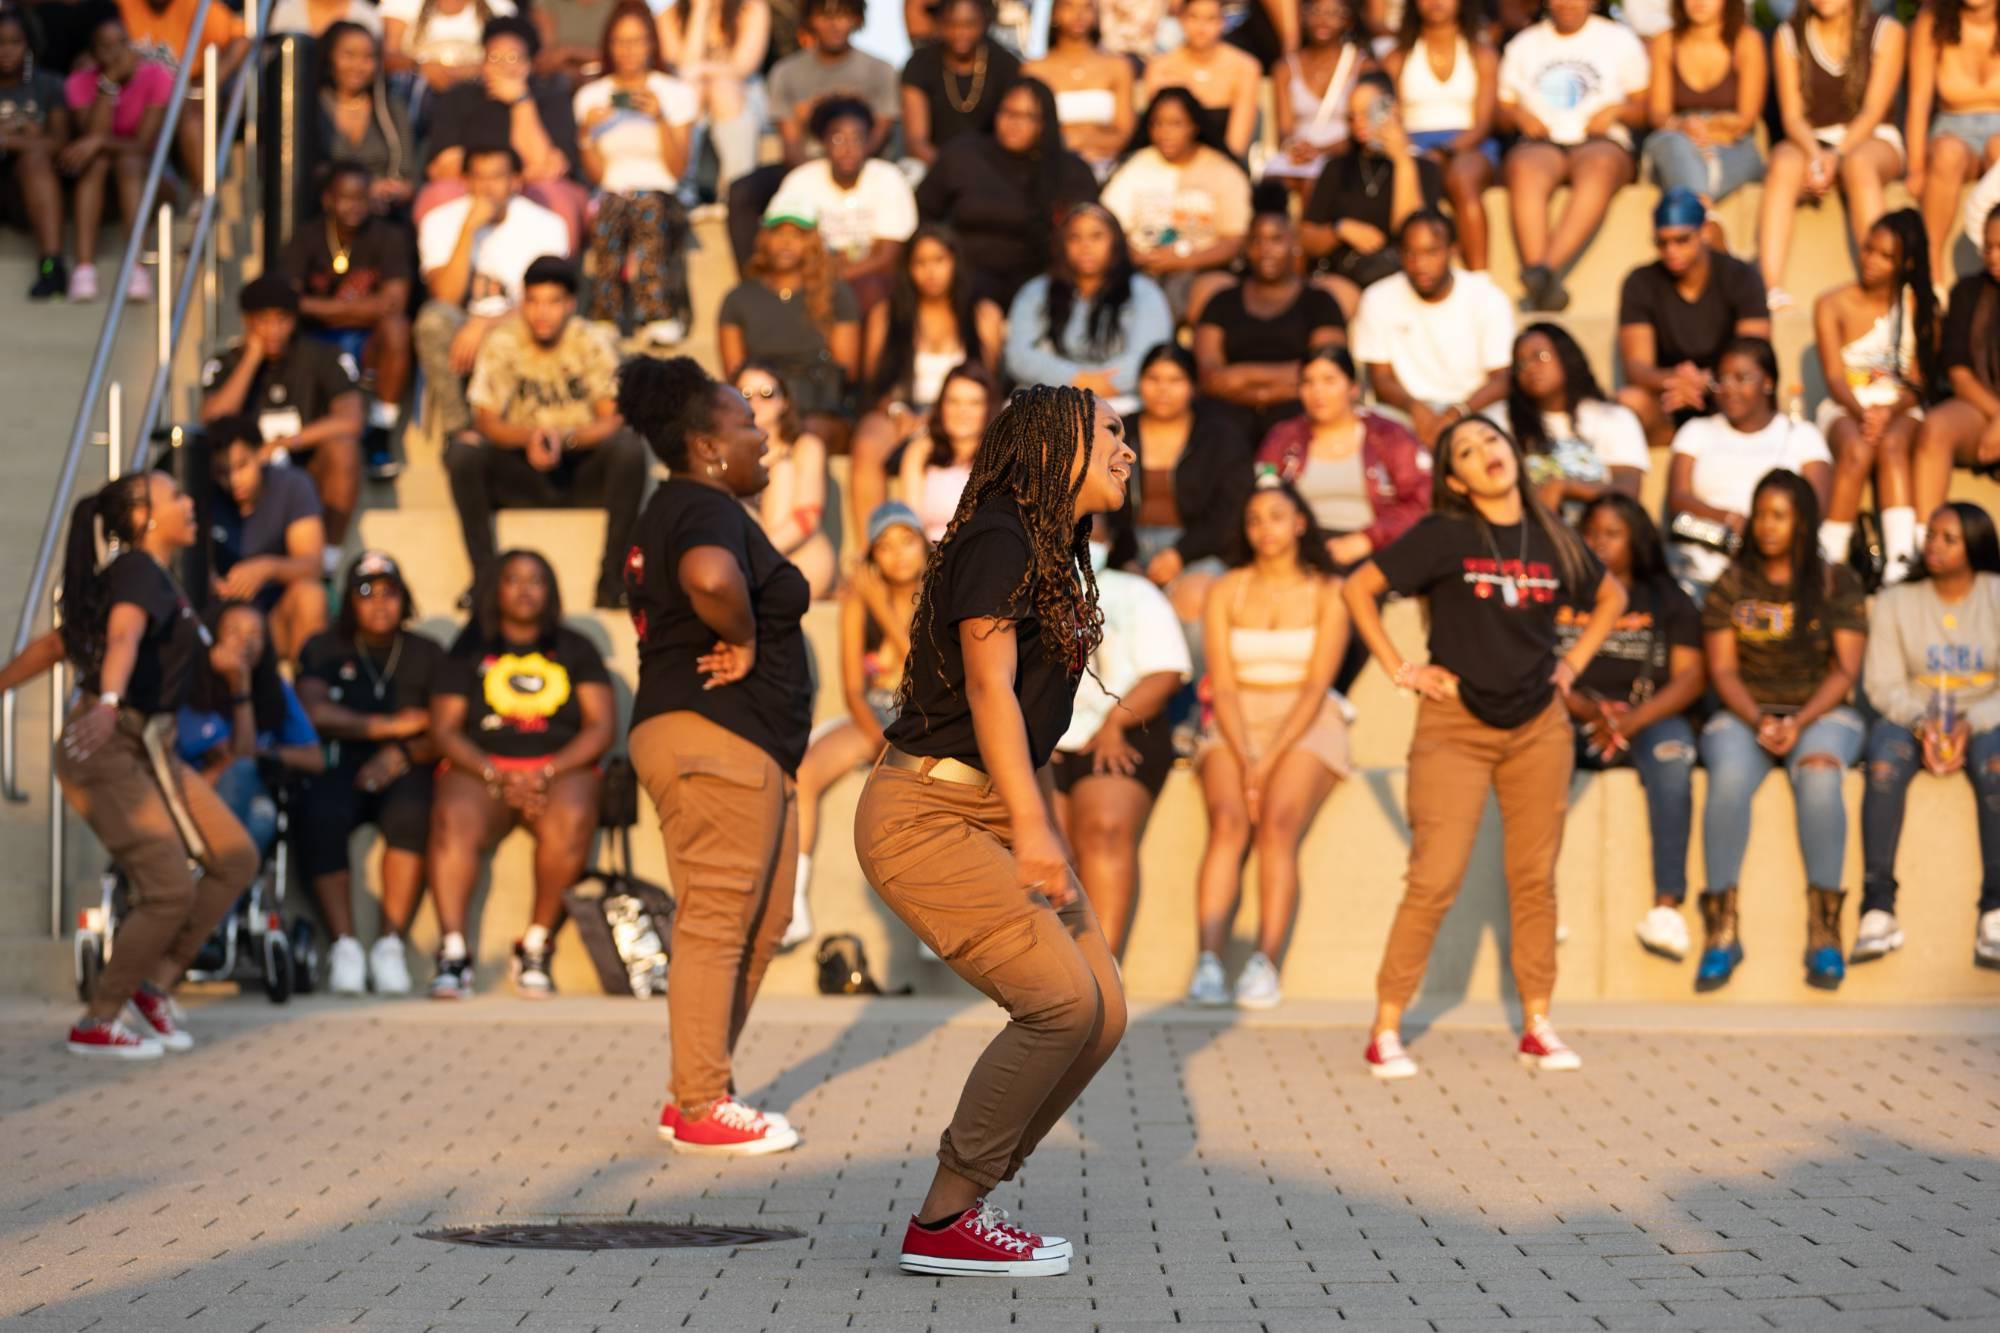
{"points": [[175, 301]]}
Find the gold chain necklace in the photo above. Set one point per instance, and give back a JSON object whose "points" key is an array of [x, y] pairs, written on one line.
{"points": [[333, 247], [964, 108]]}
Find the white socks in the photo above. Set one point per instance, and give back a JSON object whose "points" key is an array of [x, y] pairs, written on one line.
{"points": [[385, 415], [1834, 537], [453, 947], [1899, 535], [535, 939]]}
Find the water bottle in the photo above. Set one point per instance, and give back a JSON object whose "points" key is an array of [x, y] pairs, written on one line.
{"points": [[1943, 715], [1795, 403]]}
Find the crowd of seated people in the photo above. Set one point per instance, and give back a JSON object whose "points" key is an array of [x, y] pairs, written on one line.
{"points": [[1288, 317]]}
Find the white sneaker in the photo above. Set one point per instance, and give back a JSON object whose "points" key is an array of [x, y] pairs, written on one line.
{"points": [[347, 967], [801, 928], [1664, 931], [1879, 935], [1257, 985], [1210, 987], [666, 333], [1897, 571], [1543, 1050], [139, 287], [1387, 1060], [388, 966], [1986, 945]]}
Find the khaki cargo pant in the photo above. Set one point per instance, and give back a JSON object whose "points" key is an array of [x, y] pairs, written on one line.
{"points": [[1455, 759], [730, 820], [937, 854], [172, 914]]}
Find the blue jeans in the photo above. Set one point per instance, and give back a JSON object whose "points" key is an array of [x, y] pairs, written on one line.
{"points": [[1716, 173], [1664, 754], [1737, 765], [1894, 757], [242, 790]]}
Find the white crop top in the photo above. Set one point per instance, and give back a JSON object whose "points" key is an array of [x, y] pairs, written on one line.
{"points": [[1431, 104]]}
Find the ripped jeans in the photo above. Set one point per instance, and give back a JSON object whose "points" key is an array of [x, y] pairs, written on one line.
{"points": [[1737, 766], [1894, 757], [1664, 754]]}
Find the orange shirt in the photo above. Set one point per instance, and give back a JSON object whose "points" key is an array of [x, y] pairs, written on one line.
{"points": [[161, 34]]}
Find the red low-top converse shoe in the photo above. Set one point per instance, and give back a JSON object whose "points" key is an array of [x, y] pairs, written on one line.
{"points": [[982, 1243], [1543, 1050], [113, 1041], [731, 1127], [157, 1020], [670, 1119], [1387, 1060]]}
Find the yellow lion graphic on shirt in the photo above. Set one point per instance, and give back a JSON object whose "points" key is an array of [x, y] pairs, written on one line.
{"points": [[526, 686]]}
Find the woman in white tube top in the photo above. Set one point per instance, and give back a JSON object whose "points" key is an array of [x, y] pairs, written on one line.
{"points": [[1093, 87], [1275, 630], [1310, 89]]}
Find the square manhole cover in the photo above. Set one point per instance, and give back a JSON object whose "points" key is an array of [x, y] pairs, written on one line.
{"points": [[608, 1235]]}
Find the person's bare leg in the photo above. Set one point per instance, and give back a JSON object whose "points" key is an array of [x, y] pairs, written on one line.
{"points": [[1949, 436], [299, 614], [562, 843], [830, 758], [1645, 404], [335, 895], [1107, 819], [1784, 182], [91, 184], [1220, 884], [128, 169], [465, 821], [1465, 180], [1597, 171], [1299, 787], [1853, 462], [1950, 161], [875, 438], [389, 358], [1532, 172], [1893, 463], [1864, 178], [402, 885], [41, 193]]}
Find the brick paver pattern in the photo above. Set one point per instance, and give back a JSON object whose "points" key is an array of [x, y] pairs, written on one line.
{"points": [[1233, 1176]]}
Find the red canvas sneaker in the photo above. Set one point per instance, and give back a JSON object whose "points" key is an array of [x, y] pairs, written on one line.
{"points": [[983, 1243]]}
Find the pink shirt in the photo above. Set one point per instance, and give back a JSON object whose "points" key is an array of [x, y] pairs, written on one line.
{"points": [[151, 85]]}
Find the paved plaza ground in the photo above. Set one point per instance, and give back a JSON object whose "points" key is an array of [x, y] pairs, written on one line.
{"points": [[1748, 1169]]}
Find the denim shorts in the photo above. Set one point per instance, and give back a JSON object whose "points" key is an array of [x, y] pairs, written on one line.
{"points": [[1427, 140], [1971, 128]]}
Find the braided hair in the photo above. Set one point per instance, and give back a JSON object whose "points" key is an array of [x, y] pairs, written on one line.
{"points": [[667, 399], [116, 514], [1026, 457]]}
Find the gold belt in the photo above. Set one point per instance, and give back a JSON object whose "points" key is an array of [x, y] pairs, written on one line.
{"points": [[941, 770]]}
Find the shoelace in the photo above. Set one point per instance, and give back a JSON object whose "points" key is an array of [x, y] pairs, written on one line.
{"points": [[1005, 1222], [1545, 1036], [991, 1223], [738, 1116]]}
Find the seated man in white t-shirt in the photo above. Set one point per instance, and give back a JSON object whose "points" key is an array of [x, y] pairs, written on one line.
{"points": [[474, 252], [865, 206], [1438, 342]]}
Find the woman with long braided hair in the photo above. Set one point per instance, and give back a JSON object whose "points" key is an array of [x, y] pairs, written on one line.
{"points": [[955, 830], [139, 653]]}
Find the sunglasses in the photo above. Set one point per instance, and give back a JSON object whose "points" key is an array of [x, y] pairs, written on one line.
{"points": [[768, 391], [369, 589]]}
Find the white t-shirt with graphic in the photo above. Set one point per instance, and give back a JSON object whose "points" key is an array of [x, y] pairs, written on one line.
{"points": [[1564, 81], [880, 207], [1728, 464]]}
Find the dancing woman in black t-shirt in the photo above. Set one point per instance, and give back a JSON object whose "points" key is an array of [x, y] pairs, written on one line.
{"points": [[138, 651], [719, 724], [955, 829], [1498, 571]]}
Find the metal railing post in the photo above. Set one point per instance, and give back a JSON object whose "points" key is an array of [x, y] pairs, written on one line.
{"points": [[114, 429], [58, 697], [253, 72], [211, 112], [165, 285]]}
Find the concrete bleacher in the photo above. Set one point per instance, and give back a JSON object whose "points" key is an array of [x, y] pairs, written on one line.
{"points": [[1353, 859]]}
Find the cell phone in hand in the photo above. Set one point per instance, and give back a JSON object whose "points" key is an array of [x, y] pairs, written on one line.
{"points": [[621, 101]]}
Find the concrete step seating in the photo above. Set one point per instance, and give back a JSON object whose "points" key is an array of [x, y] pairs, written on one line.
{"points": [[1353, 859]]}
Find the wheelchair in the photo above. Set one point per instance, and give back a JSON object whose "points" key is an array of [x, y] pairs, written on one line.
{"points": [[253, 943]]}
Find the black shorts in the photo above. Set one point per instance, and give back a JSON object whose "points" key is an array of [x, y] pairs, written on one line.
{"points": [[333, 807], [1155, 743]]}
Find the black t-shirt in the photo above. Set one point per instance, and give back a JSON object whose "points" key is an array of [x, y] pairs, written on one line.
{"points": [[982, 575], [1361, 185], [466, 117], [1658, 619], [1287, 336], [27, 102], [174, 648], [522, 698], [772, 706], [987, 195], [1495, 595], [1958, 349], [293, 389], [372, 681], [1695, 330], [379, 255], [925, 73]]}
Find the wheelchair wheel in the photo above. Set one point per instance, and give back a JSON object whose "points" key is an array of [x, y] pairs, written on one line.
{"points": [[278, 973], [89, 965], [305, 956]]}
